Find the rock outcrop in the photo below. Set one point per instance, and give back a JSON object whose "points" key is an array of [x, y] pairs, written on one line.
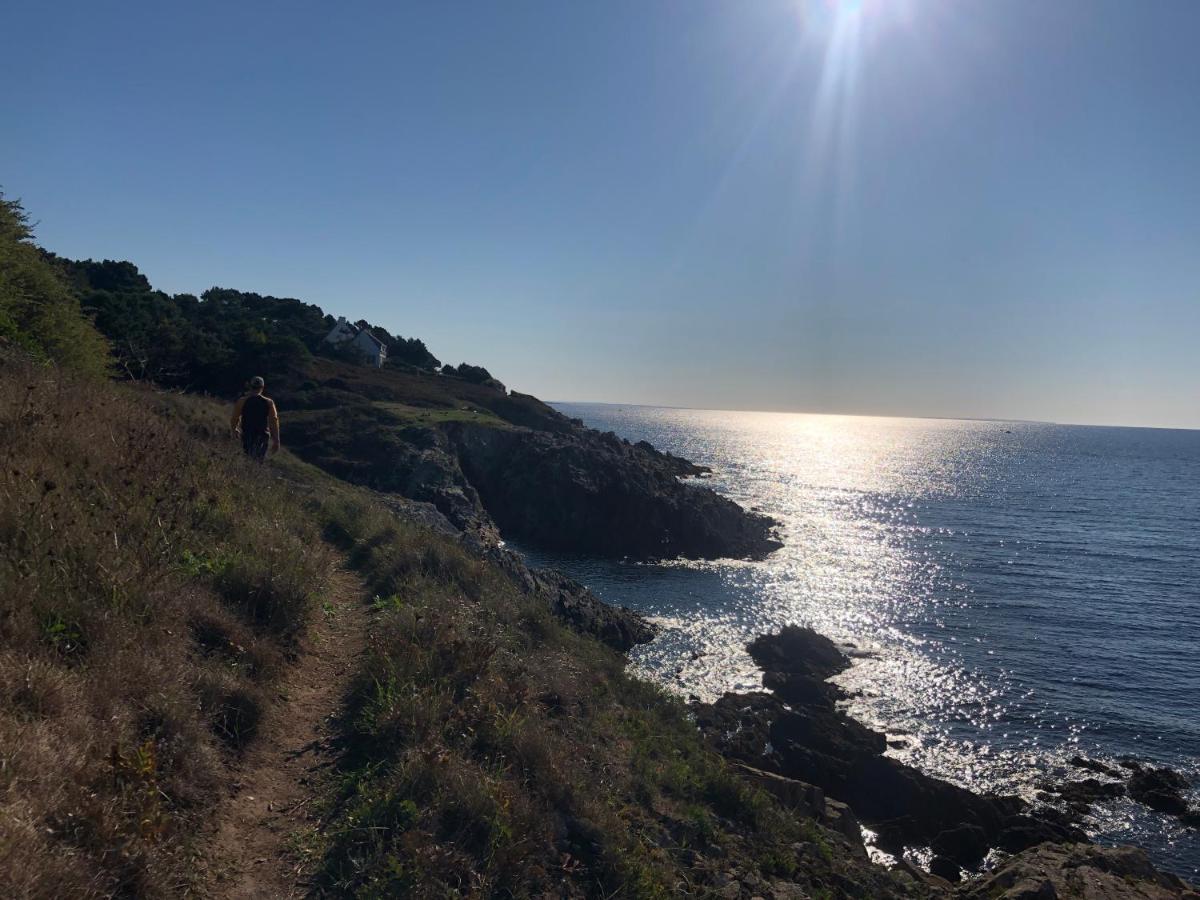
{"points": [[1052, 871], [1159, 788], [542, 478], [797, 731], [617, 626], [593, 493]]}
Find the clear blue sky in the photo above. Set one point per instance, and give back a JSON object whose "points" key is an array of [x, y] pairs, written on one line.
{"points": [[948, 207]]}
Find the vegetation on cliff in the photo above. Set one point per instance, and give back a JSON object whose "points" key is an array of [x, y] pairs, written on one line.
{"points": [[411, 428]]}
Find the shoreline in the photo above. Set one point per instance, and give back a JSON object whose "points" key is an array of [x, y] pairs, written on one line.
{"points": [[797, 728]]}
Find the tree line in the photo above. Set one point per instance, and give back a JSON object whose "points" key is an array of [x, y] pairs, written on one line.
{"points": [[105, 315]]}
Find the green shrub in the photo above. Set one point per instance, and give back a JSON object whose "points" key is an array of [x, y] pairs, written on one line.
{"points": [[38, 312]]}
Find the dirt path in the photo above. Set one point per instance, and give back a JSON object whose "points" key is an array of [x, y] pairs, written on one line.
{"points": [[254, 852]]}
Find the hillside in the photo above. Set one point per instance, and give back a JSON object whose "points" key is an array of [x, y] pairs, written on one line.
{"points": [[224, 679], [494, 462], [157, 591]]}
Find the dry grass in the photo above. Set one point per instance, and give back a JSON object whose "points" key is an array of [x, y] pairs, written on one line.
{"points": [[151, 582], [491, 752]]}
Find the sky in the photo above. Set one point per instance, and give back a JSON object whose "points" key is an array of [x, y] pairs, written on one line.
{"points": [[901, 207]]}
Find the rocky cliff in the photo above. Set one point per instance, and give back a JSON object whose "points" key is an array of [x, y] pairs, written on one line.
{"points": [[506, 464], [595, 493]]}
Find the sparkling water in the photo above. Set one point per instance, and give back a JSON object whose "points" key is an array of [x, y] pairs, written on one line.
{"points": [[1015, 593]]}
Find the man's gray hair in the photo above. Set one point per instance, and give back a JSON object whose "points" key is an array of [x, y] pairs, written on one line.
{"points": [[257, 382]]}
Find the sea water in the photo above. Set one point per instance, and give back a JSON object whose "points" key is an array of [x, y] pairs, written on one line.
{"points": [[1015, 593]]}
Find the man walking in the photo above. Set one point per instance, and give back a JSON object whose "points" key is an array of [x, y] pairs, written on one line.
{"points": [[255, 419]]}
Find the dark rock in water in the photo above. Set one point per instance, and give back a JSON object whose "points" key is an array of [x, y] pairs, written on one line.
{"points": [[945, 868], [966, 842], [826, 748], [1080, 795], [800, 690], [1160, 789], [813, 741], [1021, 831], [584, 493], [1051, 871], [1092, 765], [798, 651]]}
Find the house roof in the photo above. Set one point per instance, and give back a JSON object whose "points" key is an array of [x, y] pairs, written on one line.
{"points": [[377, 341], [352, 332]]}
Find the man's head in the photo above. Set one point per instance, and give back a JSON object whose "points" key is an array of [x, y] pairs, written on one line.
{"points": [[257, 384]]}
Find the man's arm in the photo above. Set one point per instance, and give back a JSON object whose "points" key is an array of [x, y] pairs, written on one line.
{"points": [[273, 425], [236, 421]]}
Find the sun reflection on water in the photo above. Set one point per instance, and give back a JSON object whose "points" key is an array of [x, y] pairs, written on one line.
{"points": [[949, 558]]}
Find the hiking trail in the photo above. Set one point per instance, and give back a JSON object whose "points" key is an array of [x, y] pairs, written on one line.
{"points": [[256, 850]]}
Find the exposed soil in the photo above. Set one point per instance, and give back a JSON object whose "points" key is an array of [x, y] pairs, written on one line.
{"points": [[262, 827]]}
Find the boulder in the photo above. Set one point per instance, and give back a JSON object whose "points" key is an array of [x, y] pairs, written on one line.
{"points": [[1079, 870], [798, 651], [945, 868], [1161, 789]]}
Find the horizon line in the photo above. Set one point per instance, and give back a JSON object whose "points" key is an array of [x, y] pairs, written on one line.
{"points": [[800, 412]]}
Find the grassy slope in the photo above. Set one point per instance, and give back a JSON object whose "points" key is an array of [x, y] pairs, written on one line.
{"points": [[328, 384], [148, 596], [152, 589], [489, 751]]}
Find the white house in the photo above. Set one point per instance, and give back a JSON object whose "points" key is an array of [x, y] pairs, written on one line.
{"points": [[369, 347]]}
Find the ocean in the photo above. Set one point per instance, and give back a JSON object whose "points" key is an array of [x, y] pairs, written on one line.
{"points": [[1016, 593]]}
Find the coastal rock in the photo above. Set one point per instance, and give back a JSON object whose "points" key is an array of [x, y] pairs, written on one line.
{"points": [[484, 457], [945, 868], [809, 801], [1080, 795], [961, 842], [814, 742], [1093, 766], [1052, 871], [617, 626], [1161, 789], [798, 651], [365, 445], [676, 465], [591, 493]]}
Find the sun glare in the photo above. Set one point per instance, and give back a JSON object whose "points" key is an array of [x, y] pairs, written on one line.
{"points": [[841, 33]]}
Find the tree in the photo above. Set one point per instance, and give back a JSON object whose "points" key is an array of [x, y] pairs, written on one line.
{"points": [[402, 351], [473, 374], [37, 308]]}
